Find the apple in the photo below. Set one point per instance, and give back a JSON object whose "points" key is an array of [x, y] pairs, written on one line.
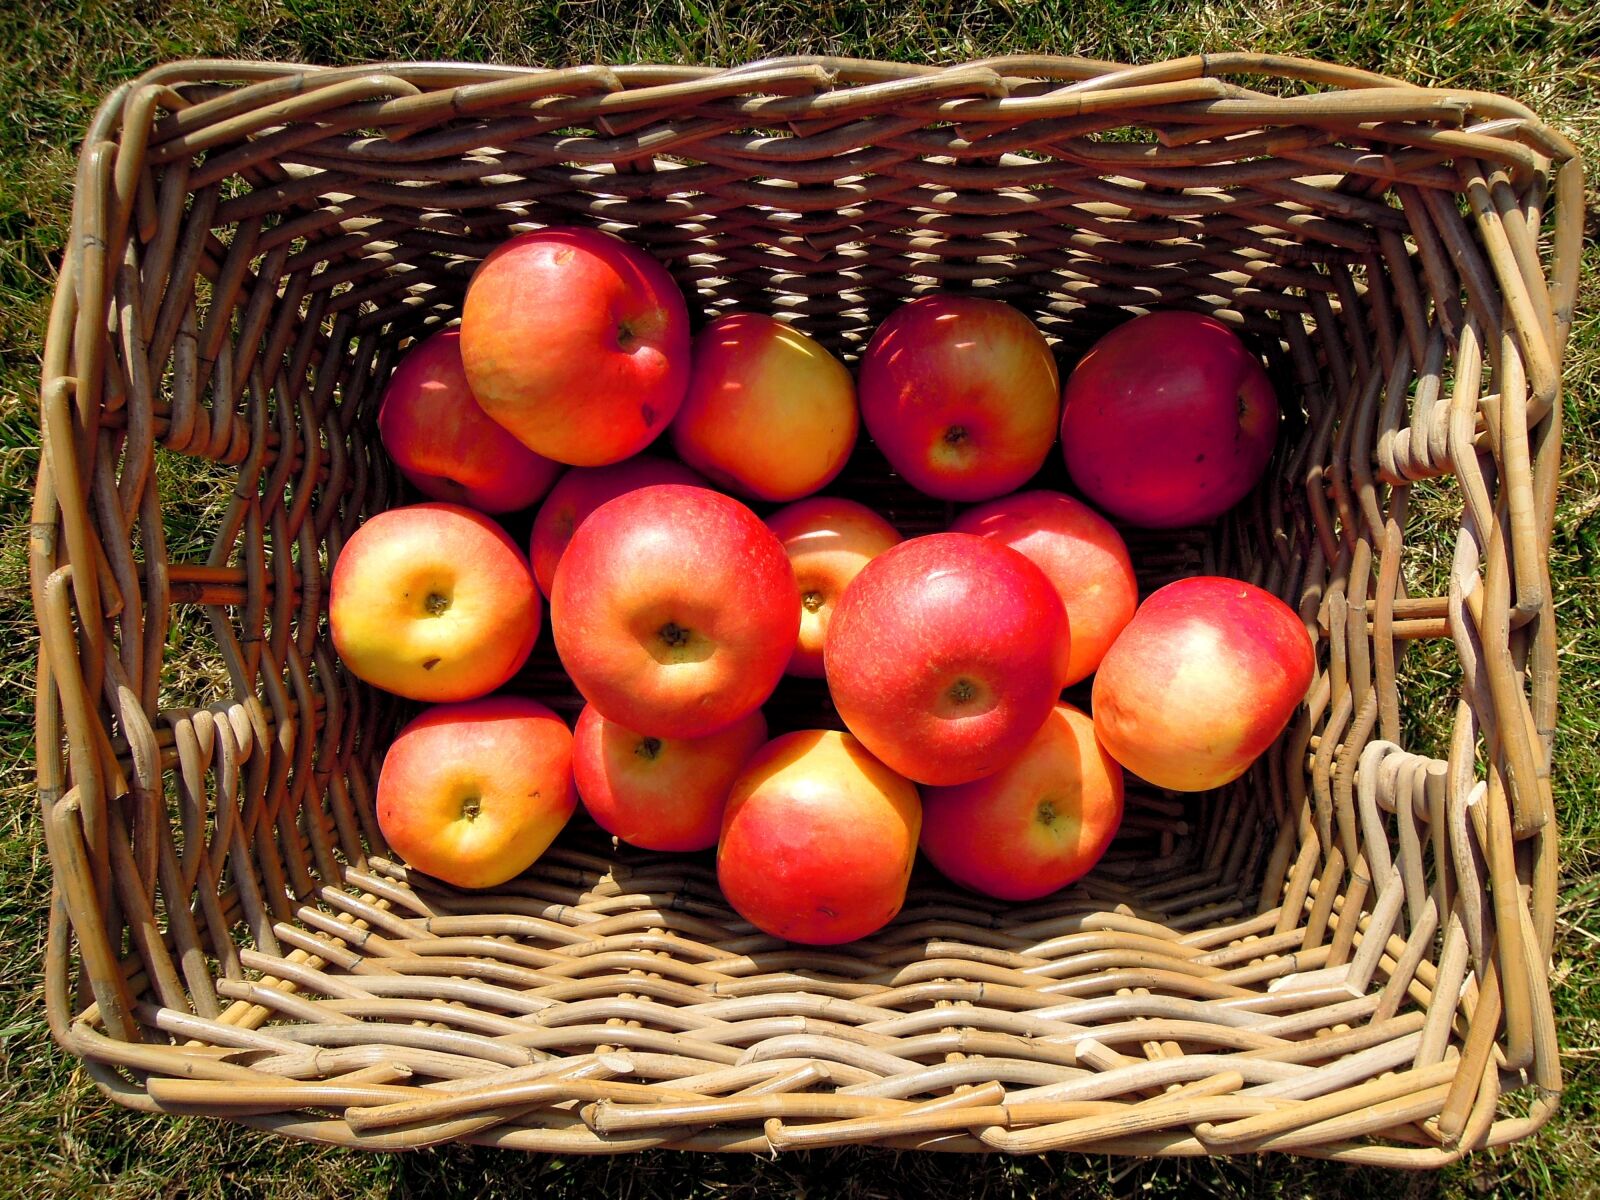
{"points": [[582, 490], [577, 342], [433, 602], [1036, 825], [473, 793], [445, 444], [818, 839], [769, 413], [674, 611], [1168, 420], [1080, 552], [1202, 680], [945, 655], [828, 541], [962, 396], [660, 793]]}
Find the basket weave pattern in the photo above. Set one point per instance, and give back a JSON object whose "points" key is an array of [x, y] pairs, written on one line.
{"points": [[1343, 955]]}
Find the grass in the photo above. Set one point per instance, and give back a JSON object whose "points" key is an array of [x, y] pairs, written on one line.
{"points": [[58, 1137]]}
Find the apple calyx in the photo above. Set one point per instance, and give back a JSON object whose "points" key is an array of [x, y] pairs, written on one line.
{"points": [[471, 807], [648, 748], [1045, 814], [812, 601], [955, 435], [673, 634], [962, 691], [436, 603]]}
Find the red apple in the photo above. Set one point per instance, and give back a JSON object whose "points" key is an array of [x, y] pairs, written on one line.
{"points": [[1202, 680], [818, 840], [961, 395], [433, 602], [577, 342], [582, 490], [674, 611], [660, 793], [828, 541], [1081, 554], [945, 655], [1169, 420], [1035, 826], [445, 444], [473, 793], [769, 413]]}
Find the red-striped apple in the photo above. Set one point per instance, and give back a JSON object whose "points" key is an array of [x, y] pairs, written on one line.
{"points": [[945, 655], [582, 490], [818, 839], [1082, 554], [660, 793], [445, 444], [674, 610], [1034, 826], [962, 396], [1168, 420]]}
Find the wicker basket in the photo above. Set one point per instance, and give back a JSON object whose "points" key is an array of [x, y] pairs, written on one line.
{"points": [[1343, 955]]}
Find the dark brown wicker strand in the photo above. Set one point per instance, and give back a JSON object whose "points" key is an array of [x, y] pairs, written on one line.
{"points": [[1344, 955]]}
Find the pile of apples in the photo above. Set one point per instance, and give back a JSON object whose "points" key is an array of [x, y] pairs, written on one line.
{"points": [[676, 610]]}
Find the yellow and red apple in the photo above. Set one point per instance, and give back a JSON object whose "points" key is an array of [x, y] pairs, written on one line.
{"points": [[660, 793], [1202, 680], [474, 793], [577, 342], [828, 540], [769, 413], [433, 602], [818, 839], [1037, 824], [962, 396]]}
